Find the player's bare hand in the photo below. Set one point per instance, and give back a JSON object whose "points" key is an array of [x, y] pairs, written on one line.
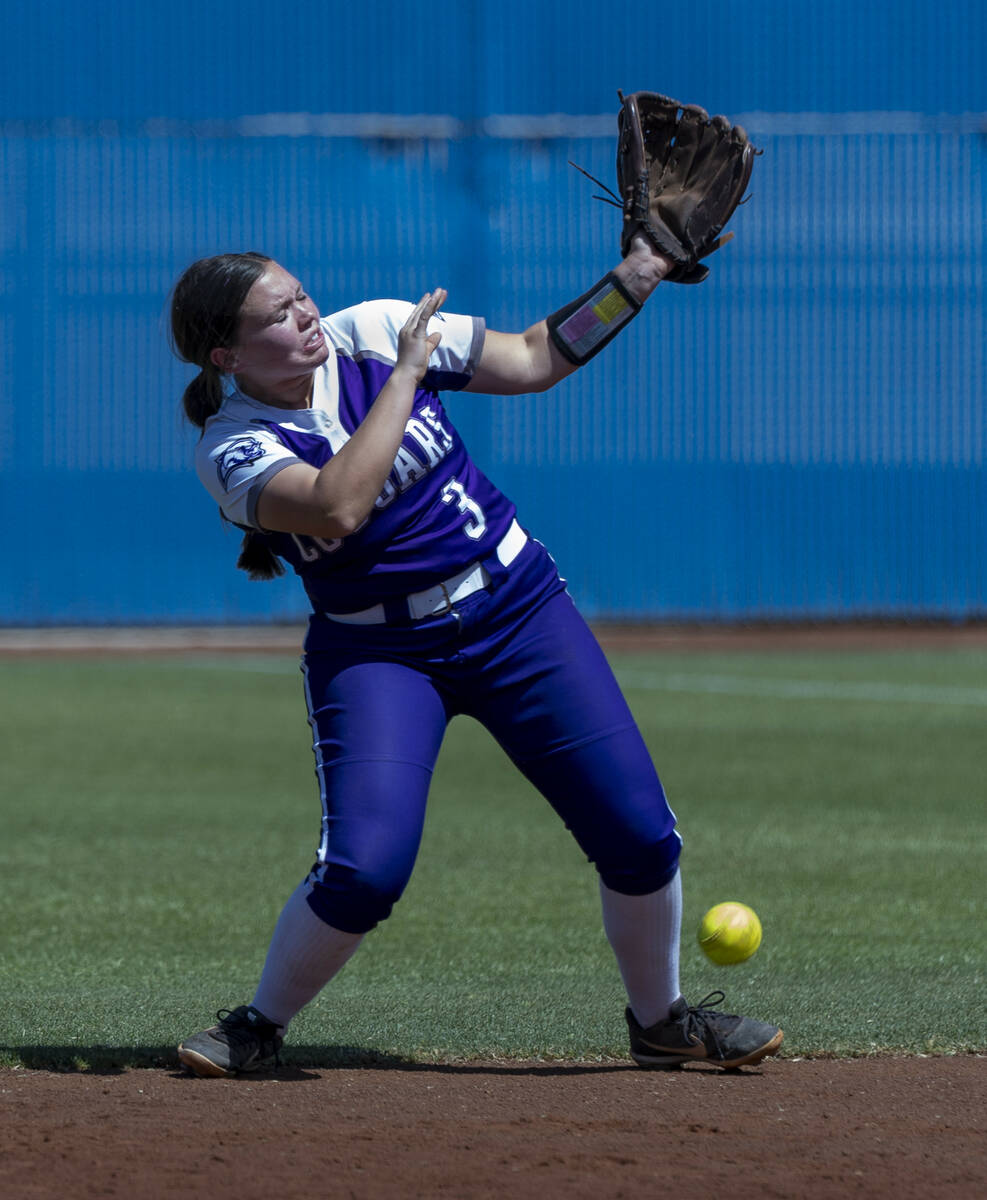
{"points": [[415, 343], [646, 253], [643, 268]]}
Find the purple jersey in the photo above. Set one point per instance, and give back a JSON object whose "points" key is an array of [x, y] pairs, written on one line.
{"points": [[436, 513]]}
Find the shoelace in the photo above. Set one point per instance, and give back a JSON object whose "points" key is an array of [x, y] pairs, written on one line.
{"points": [[242, 1032], [701, 1018]]}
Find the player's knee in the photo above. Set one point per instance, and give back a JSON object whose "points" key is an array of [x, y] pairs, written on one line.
{"points": [[352, 900], [645, 869]]}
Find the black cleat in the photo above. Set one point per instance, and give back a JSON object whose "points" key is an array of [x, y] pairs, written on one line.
{"points": [[701, 1034], [243, 1040]]}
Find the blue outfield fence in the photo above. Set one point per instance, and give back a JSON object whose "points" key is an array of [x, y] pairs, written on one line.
{"points": [[800, 437]]}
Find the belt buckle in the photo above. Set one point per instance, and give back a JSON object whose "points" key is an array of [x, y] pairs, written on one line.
{"points": [[441, 612]]}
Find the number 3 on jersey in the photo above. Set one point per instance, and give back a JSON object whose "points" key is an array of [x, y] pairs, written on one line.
{"points": [[475, 525]]}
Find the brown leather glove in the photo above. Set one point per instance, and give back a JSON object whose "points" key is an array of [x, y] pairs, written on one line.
{"points": [[680, 175]]}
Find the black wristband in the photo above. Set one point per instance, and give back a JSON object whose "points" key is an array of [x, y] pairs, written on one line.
{"points": [[584, 327]]}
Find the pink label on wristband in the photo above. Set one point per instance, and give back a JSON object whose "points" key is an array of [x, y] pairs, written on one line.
{"points": [[581, 322], [596, 321]]}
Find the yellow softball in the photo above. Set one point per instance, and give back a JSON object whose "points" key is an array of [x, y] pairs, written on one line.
{"points": [[729, 933]]}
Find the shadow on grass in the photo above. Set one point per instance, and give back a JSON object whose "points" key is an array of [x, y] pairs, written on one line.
{"points": [[296, 1062]]}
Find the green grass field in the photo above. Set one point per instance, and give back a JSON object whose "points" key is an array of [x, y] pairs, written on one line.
{"points": [[157, 811]]}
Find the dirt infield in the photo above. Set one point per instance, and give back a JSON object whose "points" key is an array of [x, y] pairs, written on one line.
{"points": [[909, 1128]]}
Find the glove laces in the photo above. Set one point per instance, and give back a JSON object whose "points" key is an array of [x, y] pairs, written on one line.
{"points": [[616, 201]]}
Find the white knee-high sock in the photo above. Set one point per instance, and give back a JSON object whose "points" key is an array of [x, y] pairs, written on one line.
{"points": [[644, 933], [305, 953]]}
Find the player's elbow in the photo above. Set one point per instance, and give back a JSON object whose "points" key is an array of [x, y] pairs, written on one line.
{"points": [[342, 525], [339, 521], [304, 511], [544, 383]]}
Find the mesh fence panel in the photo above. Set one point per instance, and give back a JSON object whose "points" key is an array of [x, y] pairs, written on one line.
{"points": [[802, 436]]}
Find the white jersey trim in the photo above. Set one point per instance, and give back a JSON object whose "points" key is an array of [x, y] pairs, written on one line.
{"points": [[370, 330]]}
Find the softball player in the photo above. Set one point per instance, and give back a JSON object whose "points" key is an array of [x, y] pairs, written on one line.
{"points": [[326, 440]]}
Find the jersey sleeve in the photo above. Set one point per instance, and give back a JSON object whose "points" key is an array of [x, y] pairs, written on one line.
{"points": [[234, 464], [370, 330]]}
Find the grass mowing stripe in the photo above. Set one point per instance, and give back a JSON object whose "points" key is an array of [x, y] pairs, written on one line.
{"points": [[743, 685], [262, 664], [805, 689]]}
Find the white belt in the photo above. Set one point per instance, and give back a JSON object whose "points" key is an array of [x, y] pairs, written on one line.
{"points": [[442, 596]]}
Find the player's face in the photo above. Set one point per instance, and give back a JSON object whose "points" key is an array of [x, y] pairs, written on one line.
{"points": [[279, 337]]}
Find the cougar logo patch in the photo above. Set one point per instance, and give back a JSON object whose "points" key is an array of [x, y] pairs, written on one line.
{"points": [[238, 454]]}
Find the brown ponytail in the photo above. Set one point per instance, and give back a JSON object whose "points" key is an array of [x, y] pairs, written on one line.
{"points": [[257, 558], [205, 315], [203, 396]]}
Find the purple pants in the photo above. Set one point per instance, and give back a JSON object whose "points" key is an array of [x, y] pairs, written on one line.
{"points": [[520, 660]]}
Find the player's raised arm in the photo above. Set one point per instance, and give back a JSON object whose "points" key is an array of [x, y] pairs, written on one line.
{"points": [[551, 349], [681, 176]]}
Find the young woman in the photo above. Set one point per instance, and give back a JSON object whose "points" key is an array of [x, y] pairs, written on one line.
{"points": [[327, 442]]}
